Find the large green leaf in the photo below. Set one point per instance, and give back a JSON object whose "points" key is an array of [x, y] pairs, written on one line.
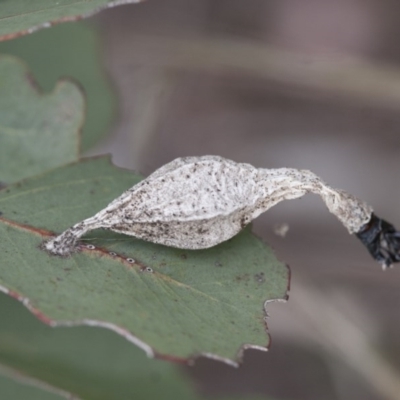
{"points": [[94, 364], [37, 131], [70, 50], [209, 301], [90, 363], [20, 17]]}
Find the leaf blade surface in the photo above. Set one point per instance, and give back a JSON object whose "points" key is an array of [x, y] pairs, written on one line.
{"points": [[37, 131], [171, 302]]}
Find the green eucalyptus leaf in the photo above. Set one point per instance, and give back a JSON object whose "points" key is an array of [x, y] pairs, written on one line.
{"points": [[37, 131], [173, 303], [70, 50], [91, 364]]}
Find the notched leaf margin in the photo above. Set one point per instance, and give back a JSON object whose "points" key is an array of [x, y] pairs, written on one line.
{"points": [[150, 352], [40, 93]]}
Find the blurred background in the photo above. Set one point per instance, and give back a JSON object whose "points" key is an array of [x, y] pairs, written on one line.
{"points": [[311, 84], [307, 84]]}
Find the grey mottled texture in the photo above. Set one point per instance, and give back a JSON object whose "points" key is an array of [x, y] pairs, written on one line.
{"points": [[199, 202]]}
